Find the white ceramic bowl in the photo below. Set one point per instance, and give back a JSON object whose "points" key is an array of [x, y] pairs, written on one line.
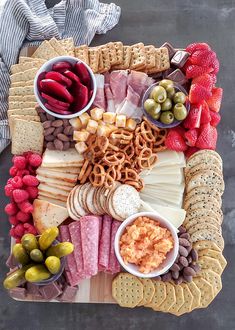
{"points": [[171, 256], [47, 67]]}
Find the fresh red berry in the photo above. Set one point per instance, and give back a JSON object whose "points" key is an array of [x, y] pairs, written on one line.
{"points": [[214, 102], [9, 181], [21, 173], [35, 160], [207, 138], [30, 180], [215, 118], [32, 170], [20, 195], [30, 229], [33, 192], [26, 207], [203, 57], [13, 220], [191, 137], [198, 93], [206, 80], [12, 232], [19, 230], [11, 209], [27, 155], [19, 162], [215, 66], [18, 240], [13, 171], [23, 217], [193, 71], [175, 141], [194, 117], [190, 151], [197, 46], [8, 190], [205, 115], [17, 182]]}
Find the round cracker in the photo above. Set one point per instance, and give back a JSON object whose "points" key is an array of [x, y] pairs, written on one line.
{"points": [[199, 226], [206, 205], [73, 215], [170, 298], [206, 244], [148, 292], [179, 294], [201, 213], [213, 278], [202, 167], [200, 198], [201, 222], [213, 254], [188, 301], [211, 235], [207, 294], [208, 157], [127, 290], [77, 204], [210, 263], [206, 178], [83, 196], [204, 191], [159, 295], [207, 152], [196, 294], [89, 200]]}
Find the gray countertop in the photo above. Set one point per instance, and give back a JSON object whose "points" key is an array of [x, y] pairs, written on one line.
{"points": [[153, 22]]}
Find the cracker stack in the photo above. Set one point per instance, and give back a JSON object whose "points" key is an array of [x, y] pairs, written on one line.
{"points": [[58, 175]]}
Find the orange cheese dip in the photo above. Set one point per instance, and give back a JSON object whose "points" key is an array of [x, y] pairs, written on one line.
{"points": [[145, 243]]}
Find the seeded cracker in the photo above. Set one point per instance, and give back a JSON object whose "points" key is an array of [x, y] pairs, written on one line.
{"points": [[138, 57], [201, 213], [45, 51], [179, 295], [207, 157], [199, 226], [127, 290], [68, 45], [214, 254], [188, 202], [23, 59], [24, 111], [204, 191], [203, 166], [201, 221], [211, 235], [148, 292], [21, 105], [81, 52], [207, 294], [188, 301], [205, 244], [58, 47], [210, 263], [208, 179]]}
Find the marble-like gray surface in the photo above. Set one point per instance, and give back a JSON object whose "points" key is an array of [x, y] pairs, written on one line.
{"points": [[153, 22]]}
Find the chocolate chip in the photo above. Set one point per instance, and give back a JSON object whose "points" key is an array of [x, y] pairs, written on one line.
{"points": [[183, 261], [57, 123], [184, 242], [194, 255], [183, 251], [188, 271]]}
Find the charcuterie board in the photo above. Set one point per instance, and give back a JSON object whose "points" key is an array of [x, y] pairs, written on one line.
{"points": [[147, 144]]}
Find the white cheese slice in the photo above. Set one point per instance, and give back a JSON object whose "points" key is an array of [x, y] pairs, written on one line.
{"points": [[171, 178], [175, 215], [168, 187]]}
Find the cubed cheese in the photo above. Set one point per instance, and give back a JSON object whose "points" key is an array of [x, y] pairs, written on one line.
{"points": [[76, 123], [120, 121], [84, 118], [81, 147], [103, 130], [80, 136], [109, 117], [131, 124], [97, 113], [92, 126]]}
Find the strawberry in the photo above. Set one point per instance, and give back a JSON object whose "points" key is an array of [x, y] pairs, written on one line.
{"points": [[175, 141], [213, 77], [203, 57], [190, 151], [215, 66], [191, 137], [214, 101], [198, 93], [193, 71], [207, 138], [197, 46], [205, 116], [206, 80], [194, 117], [215, 118]]}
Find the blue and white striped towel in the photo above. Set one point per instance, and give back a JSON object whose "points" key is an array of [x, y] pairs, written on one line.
{"points": [[26, 22]]}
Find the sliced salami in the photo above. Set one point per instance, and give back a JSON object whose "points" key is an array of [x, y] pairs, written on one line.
{"points": [[90, 243], [104, 247], [75, 234], [114, 266]]}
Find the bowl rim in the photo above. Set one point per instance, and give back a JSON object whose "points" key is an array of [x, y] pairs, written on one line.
{"points": [[155, 122], [166, 223], [44, 68]]}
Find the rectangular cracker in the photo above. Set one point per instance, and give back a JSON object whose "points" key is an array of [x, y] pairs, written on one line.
{"points": [[150, 56], [138, 57], [21, 105], [68, 45], [19, 68], [24, 117], [119, 51], [162, 60], [25, 59], [26, 136], [58, 47], [16, 91], [125, 60], [81, 52], [94, 58], [18, 84], [24, 111], [24, 76], [45, 51], [112, 53], [104, 55]]}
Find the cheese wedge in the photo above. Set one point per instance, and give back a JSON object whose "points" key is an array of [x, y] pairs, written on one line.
{"points": [[46, 215]]}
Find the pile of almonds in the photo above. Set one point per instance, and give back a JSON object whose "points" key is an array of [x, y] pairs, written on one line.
{"points": [[185, 266], [58, 133]]}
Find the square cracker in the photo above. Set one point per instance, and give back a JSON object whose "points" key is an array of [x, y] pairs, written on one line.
{"points": [[26, 136], [162, 60], [24, 111], [18, 84], [24, 117], [138, 57], [125, 60], [150, 56], [105, 58], [119, 51], [81, 52], [94, 58], [58, 47], [45, 51], [68, 45], [24, 75], [112, 53], [18, 69]]}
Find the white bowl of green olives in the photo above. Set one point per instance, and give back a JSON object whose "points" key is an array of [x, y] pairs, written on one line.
{"points": [[165, 103]]}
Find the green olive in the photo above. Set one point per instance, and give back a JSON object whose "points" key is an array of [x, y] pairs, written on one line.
{"points": [[158, 94], [179, 97], [156, 112], [170, 92], [149, 104], [166, 83], [167, 117], [166, 105], [180, 112]]}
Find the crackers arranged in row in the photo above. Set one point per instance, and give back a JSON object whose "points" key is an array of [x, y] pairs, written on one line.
{"points": [[204, 187], [116, 56], [120, 202]]}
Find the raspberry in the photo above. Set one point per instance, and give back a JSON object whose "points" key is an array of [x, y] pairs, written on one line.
{"points": [[12, 232], [13, 220], [20, 195], [11, 209], [19, 230], [18, 240], [30, 229], [27, 155], [26, 207], [32, 170], [23, 217], [9, 181], [9, 190], [21, 173], [19, 162], [30, 180], [35, 160], [33, 192], [13, 171], [17, 182]]}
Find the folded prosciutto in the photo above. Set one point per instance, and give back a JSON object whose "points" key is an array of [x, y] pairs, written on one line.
{"points": [[118, 85], [109, 99], [100, 97], [128, 107]]}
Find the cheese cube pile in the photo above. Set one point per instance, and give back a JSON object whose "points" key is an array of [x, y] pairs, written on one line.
{"points": [[98, 122]]}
